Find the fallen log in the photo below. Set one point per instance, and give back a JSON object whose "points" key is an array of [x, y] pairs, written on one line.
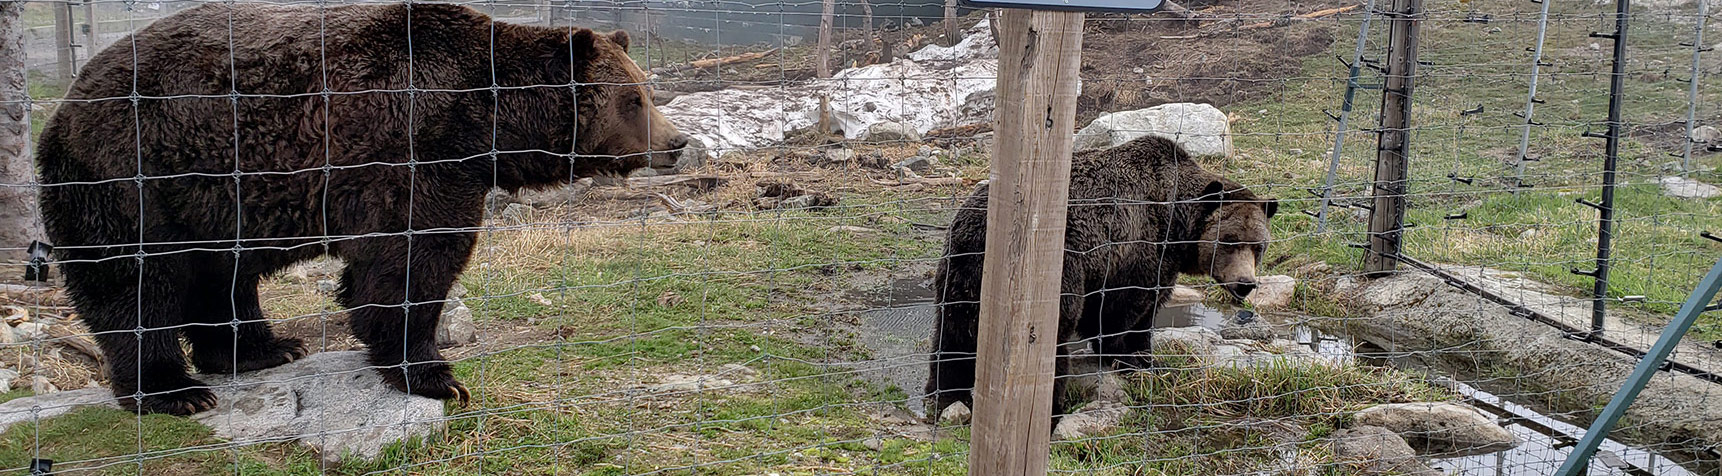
{"points": [[714, 62], [702, 182]]}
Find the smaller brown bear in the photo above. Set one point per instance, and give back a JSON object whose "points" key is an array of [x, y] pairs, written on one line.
{"points": [[226, 142], [1141, 213]]}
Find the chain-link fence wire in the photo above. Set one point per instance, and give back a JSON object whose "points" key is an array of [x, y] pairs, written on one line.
{"points": [[770, 309]]}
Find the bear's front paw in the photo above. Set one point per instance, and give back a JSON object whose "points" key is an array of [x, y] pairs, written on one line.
{"points": [[182, 402]]}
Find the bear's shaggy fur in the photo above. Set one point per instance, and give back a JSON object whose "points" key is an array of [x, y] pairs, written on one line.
{"points": [[227, 142], [1140, 214]]}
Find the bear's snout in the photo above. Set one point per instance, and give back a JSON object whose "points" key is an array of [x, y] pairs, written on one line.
{"points": [[1241, 288], [671, 152]]}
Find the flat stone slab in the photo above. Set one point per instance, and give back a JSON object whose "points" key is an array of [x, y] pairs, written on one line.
{"points": [[331, 402], [1682, 187]]}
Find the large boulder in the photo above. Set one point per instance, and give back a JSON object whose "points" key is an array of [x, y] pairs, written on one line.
{"points": [[1201, 129], [1440, 428], [1376, 450]]}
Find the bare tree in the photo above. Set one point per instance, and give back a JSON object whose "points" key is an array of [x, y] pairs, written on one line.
{"points": [[823, 69], [19, 219], [867, 23], [951, 30]]}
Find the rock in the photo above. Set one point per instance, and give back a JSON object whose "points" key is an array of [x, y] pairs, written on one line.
{"points": [[540, 299], [6, 376], [1201, 129], [873, 443], [924, 151], [1681, 187], [456, 291], [1313, 270], [40, 385], [496, 201], [7, 335], [29, 331], [455, 328], [850, 229], [1382, 452], [330, 401], [739, 369], [1440, 428], [517, 214], [892, 131], [327, 286], [1273, 292], [1706, 135], [955, 414], [1191, 341], [1254, 330], [312, 270], [643, 172], [1096, 418], [837, 157], [694, 156], [1184, 296], [919, 164], [689, 383], [809, 201]]}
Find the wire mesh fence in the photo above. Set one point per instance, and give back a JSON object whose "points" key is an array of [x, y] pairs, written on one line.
{"points": [[468, 238]]}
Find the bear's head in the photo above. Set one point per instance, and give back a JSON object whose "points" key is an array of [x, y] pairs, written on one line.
{"points": [[1234, 235], [577, 91], [617, 116]]}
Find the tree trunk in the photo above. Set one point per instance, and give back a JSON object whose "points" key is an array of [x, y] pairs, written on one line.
{"points": [[952, 35], [867, 23], [823, 69], [19, 222]]}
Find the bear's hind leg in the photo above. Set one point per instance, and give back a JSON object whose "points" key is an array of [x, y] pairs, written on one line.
{"points": [[140, 340], [231, 334], [395, 311]]}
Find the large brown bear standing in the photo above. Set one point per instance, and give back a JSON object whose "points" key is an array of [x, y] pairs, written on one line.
{"points": [[1140, 214], [227, 142]]}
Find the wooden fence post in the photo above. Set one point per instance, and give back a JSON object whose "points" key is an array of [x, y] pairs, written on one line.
{"points": [[1387, 216], [1039, 56]]}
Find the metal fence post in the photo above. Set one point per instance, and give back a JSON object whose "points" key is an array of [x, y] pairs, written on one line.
{"points": [[1580, 456]]}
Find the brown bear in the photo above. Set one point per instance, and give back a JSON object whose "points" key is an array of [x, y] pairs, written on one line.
{"points": [[1141, 213], [229, 141]]}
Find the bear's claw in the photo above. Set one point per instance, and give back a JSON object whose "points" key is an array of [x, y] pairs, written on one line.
{"points": [[462, 394]]}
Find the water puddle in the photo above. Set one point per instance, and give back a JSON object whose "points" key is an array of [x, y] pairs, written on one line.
{"points": [[899, 318]]}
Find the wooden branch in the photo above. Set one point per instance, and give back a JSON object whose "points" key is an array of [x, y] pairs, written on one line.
{"points": [[32, 295], [1306, 16]]}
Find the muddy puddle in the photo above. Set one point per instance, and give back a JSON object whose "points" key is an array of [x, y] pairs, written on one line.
{"points": [[898, 318]]}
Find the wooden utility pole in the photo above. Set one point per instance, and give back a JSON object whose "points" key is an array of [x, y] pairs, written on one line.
{"points": [[1039, 55], [1393, 149], [63, 39]]}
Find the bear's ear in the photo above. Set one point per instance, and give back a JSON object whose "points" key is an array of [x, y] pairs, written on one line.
{"points": [[1211, 197], [1272, 207], [584, 42], [620, 38]]}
